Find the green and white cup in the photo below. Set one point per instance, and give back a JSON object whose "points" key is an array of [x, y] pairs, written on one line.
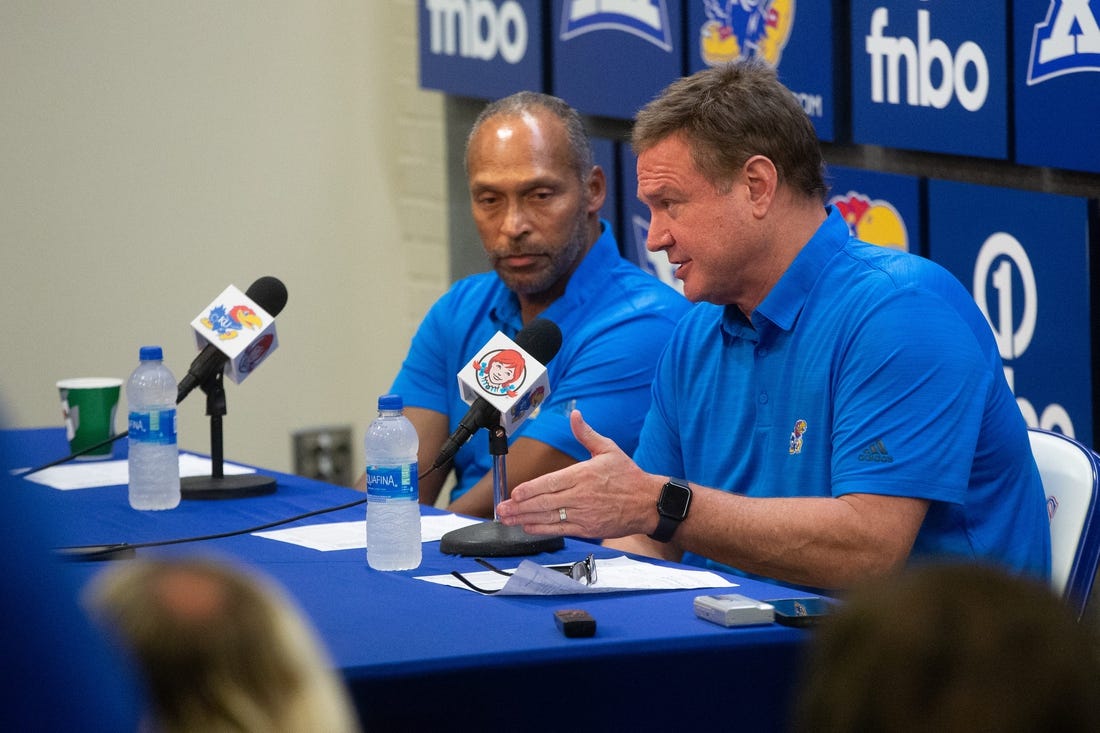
{"points": [[88, 405]]}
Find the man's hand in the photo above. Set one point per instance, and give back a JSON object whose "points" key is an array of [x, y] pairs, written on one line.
{"points": [[605, 496], [824, 542], [527, 458]]}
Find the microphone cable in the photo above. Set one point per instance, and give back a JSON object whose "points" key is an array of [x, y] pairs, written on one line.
{"points": [[73, 456], [126, 549]]}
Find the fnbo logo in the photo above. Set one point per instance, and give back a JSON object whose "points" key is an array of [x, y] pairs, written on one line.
{"points": [[477, 29], [891, 55]]}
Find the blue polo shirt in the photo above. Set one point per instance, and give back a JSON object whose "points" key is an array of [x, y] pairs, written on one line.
{"points": [[614, 319], [864, 370]]}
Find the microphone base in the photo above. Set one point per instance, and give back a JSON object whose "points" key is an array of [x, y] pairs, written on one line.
{"points": [[493, 539], [236, 486]]}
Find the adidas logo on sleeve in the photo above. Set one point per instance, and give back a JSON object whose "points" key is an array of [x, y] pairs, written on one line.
{"points": [[876, 453]]}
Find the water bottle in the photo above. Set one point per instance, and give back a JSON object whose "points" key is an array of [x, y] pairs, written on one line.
{"points": [[393, 497], [154, 456]]}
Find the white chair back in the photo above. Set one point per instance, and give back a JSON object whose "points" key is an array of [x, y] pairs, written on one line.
{"points": [[1071, 479]]}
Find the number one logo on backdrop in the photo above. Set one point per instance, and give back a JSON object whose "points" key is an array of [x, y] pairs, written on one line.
{"points": [[1001, 255]]}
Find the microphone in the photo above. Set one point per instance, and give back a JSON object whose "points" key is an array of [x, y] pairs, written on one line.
{"points": [[514, 385], [235, 333], [220, 327], [497, 374]]}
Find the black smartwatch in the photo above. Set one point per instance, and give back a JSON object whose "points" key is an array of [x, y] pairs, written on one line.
{"points": [[672, 508]]}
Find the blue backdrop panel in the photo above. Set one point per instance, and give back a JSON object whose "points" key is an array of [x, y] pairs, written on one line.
{"points": [[880, 208], [610, 59], [1025, 258], [930, 75], [636, 223], [796, 36], [606, 156], [481, 48], [1057, 80]]}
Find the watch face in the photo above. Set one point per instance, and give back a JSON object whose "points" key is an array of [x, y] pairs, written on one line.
{"points": [[675, 498]]}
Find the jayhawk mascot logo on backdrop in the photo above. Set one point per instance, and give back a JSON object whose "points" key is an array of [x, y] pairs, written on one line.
{"points": [[874, 221], [745, 28]]}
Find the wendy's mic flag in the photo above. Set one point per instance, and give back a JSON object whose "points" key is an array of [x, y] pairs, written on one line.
{"points": [[504, 383], [508, 377]]}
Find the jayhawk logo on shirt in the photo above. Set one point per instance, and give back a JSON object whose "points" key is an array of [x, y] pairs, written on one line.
{"points": [[796, 437]]}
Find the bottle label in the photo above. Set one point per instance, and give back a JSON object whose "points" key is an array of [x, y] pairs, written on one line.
{"points": [[155, 426], [392, 483]]}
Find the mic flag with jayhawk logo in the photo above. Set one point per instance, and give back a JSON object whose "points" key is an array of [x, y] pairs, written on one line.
{"points": [[508, 378], [238, 327]]}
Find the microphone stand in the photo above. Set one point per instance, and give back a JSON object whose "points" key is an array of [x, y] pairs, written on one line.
{"points": [[494, 539], [217, 485]]}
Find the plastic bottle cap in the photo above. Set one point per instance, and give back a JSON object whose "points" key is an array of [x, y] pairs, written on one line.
{"points": [[150, 353], [390, 402]]}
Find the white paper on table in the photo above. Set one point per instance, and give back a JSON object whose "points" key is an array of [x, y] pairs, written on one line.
{"points": [[612, 575], [92, 474], [353, 535]]}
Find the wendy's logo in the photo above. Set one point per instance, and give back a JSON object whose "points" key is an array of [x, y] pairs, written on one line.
{"points": [[501, 372]]}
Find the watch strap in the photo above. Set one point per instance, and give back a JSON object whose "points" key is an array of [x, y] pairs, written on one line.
{"points": [[669, 520], [666, 527]]}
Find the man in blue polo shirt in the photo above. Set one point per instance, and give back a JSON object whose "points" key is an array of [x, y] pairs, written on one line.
{"points": [[535, 196], [846, 402]]}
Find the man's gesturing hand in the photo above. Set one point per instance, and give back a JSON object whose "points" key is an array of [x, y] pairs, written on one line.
{"points": [[605, 496]]}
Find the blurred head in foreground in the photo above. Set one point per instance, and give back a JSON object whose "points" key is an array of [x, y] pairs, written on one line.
{"points": [[952, 648], [220, 649]]}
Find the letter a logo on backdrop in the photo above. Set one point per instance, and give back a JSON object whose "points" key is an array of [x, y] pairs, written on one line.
{"points": [[1066, 42], [745, 28], [647, 19]]}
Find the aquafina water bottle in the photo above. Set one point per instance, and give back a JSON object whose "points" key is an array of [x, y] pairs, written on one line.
{"points": [[393, 497], [153, 452]]}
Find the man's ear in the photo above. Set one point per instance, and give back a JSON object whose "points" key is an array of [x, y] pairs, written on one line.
{"points": [[762, 180], [596, 186]]}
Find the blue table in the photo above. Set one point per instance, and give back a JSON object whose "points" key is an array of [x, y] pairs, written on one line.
{"points": [[420, 656]]}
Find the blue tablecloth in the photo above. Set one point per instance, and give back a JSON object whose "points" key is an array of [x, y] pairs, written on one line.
{"points": [[420, 656]]}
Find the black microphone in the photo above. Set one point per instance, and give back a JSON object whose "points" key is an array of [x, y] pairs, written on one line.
{"points": [[270, 294], [541, 339]]}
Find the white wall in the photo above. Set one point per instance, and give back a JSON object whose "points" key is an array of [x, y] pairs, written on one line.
{"points": [[154, 151]]}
